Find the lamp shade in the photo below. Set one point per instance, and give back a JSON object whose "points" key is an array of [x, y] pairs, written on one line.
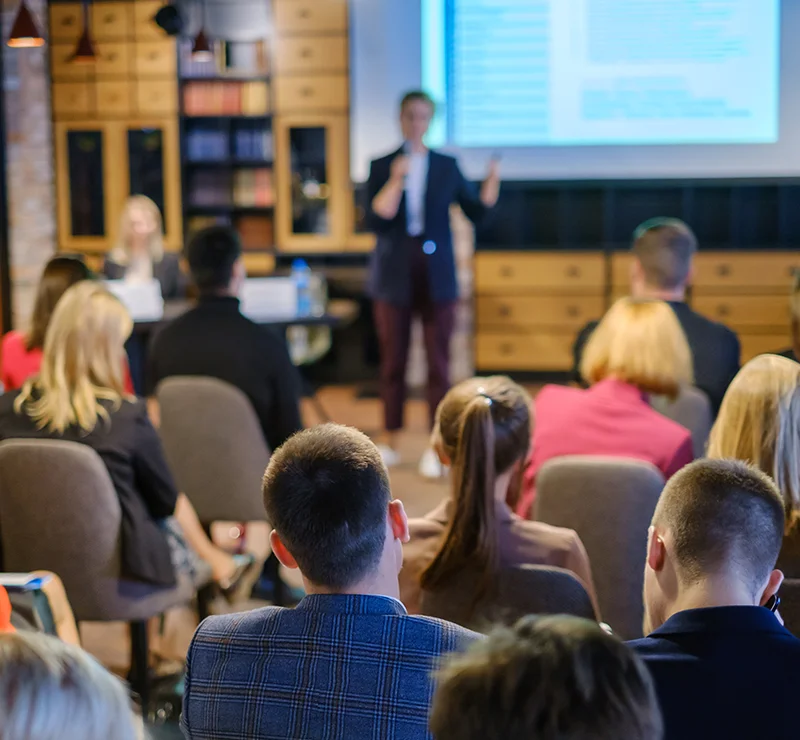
{"points": [[84, 51], [24, 32], [201, 49]]}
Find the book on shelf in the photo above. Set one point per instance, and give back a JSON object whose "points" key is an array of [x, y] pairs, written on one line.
{"points": [[253, 188], [256, 232], [209, 189], [225, 98], [206, 144], [253, 143]]}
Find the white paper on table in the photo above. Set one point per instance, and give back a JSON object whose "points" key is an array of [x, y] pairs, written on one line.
{"points": [[269, 298], [142, 299]]}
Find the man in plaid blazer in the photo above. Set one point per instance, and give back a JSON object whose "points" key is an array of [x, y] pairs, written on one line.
{"points": [[348, 661]]}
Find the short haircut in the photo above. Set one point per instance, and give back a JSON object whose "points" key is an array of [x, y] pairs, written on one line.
{"points": [[664, 248], [417, 95], [722, 515], [211, 254], [549, 678], [326, 492], [641, 342]]}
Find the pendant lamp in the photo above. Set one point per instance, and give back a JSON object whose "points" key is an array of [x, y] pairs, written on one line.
{"points": [[24, 31]]}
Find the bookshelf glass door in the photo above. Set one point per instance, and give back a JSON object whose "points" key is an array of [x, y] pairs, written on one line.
{"points": [[309, 178], [146, 168], [85, 177]]}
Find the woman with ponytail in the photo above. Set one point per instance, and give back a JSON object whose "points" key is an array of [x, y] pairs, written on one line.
{"points": [[483, 432]]}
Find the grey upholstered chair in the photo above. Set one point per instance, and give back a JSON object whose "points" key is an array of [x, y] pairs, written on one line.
{"points": [[517, 591], [215, 447], [59, 512], [690, 409], [790, 605], [609, 502]]}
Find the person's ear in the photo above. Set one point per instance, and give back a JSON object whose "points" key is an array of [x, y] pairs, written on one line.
{"points": [[636, 275], [656, 550], [284, 556], [440, 453], [398, 521], [773, 584]]}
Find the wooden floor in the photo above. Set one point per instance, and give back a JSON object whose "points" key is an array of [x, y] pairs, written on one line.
{"points": [[109, 642]]}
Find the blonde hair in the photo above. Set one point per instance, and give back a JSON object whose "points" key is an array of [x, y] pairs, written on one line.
{"points": [[82, 363], [53, 691], [121, 251], [640, 342], [759, 422]]}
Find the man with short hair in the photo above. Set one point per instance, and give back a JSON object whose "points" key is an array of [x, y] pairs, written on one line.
{"points": [[347, 661], [548, 678], [663, 249], [723, 664], [214, 339]]}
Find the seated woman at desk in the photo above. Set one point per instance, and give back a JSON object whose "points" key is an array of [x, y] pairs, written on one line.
{"points": [[139, 254], [21, 352]]}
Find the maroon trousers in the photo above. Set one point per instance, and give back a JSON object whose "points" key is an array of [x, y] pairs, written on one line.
{"points": [[393, 325]]}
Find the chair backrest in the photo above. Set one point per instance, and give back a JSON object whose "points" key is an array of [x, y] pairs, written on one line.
{"points": [[59, 512], [517, 591], [790, 605], [215, 447], [609, 502], [691, 409]]}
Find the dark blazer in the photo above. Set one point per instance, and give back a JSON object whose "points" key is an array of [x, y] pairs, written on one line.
{"points": [[715, 349], [168, 273], [335, 666], [216, 340], [390, 267], [730, 672], [131, 450]]}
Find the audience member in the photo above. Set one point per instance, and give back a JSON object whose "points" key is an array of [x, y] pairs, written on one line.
{"points": [[348, 661], [637, 349], [663, 249], [548, 678], [21, 352], [793, 352], [482, 429], [216, 340], [759, 423], [723, 664], [139, 255], [53, 691], [79, 396]]}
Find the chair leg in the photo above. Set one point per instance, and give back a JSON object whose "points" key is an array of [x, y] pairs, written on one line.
{"points": [[140, 660]]}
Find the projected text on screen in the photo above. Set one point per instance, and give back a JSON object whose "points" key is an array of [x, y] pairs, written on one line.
{"points": [[572, 72]]}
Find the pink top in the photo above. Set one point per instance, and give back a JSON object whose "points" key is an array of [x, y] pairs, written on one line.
{"points": [[18, 363], [610, 418]]}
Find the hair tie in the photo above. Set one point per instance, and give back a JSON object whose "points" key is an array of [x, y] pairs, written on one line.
{"points": [[482, 393]]}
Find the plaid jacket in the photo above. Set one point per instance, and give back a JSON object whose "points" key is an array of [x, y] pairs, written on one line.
{"points": [[352, 667]]}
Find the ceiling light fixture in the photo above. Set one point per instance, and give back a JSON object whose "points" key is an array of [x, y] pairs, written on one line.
{"points": [[201, 49], [24, 32], [84, 51]]}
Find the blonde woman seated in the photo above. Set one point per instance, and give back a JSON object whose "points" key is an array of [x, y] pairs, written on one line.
{"points": [[483, 431], [79, 396], [759, 422], [638, 349], [139, 254]]}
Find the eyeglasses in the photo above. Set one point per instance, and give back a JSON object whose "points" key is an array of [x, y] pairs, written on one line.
{"points": [[773, 603]]}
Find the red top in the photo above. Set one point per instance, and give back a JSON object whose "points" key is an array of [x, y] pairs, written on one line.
{"points": [[18, 363], [610, 418]]}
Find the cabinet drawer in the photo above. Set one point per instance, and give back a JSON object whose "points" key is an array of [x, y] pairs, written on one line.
{"points": [[759, 344], [310, 16], [750, 270], [156, 96], [112, 21], [61, 66], [743, 310], [66, 21], [113, 99], [534, 350], [500, 272], [155, 59], [311, 93], [144, 25], [112, 60], [621, 270], [517, 311], [72, 98], [298, 55]]}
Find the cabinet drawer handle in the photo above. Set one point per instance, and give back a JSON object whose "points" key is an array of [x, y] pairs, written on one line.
{"points": [[153, 56], [723, 310], [573, 271], [111, 56], [504, 310], [306, 52], [506, 349], [306, 92], [304, 13], [507, 271], [109, 18], [68, 22], [573, 312], [724, 270]]}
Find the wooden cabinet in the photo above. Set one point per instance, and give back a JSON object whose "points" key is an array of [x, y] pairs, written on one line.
{"points": [[310, 16], [309, 55], [66, 21], [112, 21], [113, 99], [155, 59], [311, 93], [508, 271], [113, 60], [61, 67], [72, 100]]}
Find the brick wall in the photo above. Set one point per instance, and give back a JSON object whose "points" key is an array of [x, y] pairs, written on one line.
{"points": [[30, 175]]}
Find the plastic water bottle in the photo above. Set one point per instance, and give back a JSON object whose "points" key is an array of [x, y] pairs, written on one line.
{"points": [[301, 275]]}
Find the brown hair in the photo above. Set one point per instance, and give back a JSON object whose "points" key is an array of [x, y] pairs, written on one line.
{"points": [[722, 513], [664, 248], [794, 309], [759, 422], [483, 425], [549, 678], [59, 274], [640, 341], [417, 95]]}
